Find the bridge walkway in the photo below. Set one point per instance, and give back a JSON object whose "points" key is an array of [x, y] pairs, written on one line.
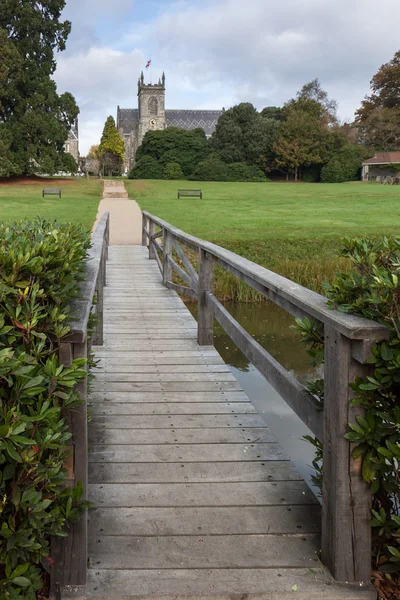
{"points": [[192, 495]]}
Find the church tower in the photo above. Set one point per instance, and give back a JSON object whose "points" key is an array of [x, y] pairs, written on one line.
{"points": [[151, 101]]}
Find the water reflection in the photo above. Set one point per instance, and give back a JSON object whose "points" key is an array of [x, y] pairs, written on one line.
{"points": [[270, 326]]}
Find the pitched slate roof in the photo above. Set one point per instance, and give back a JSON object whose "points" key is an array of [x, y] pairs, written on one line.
{"points": [[126, 118], [383, 158], [193, 119], [185, 119]]}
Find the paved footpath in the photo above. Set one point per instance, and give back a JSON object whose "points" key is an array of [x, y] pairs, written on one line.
{"points": [[125, 215]]}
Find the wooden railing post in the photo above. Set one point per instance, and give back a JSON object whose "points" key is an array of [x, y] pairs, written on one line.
{"points": [[205, 318], [152, 230], [70, 553], [346, 498], [98, 333], [167, 251], [144, 229]]}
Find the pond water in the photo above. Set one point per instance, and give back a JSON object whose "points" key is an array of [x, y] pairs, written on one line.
{"points": [[270, 326]]}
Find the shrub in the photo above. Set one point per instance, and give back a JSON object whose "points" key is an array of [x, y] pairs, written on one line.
{"points": [[371, 289], [211, 169], [244, 172], [40, 265], [147, 167], [173, 170], [344, 165], [311, 174], [214, 169]]}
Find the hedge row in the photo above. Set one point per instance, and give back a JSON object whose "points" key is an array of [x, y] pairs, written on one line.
{"points": [[40, 265], [210, 169]]}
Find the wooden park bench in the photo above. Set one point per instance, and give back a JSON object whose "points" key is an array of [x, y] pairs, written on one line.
{"points": [[51, 192], [190, 193]]}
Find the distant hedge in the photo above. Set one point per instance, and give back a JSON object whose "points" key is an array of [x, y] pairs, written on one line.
{"points": [[214, 169]]}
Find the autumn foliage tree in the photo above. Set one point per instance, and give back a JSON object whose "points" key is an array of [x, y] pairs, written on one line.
{"points": [[111, 149], [306, 137], [379, 116]]}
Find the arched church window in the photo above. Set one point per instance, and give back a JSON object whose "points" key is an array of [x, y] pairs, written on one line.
{"points": [[153, 106]]}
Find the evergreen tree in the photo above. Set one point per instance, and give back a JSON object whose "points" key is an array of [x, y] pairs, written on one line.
{"points": [[175, 145], [34, 119], [111, 149]]}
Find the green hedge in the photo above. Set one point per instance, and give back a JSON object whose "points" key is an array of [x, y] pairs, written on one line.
{"points": [[214, 169], [147, 167], [40, 265], [345, 165]]}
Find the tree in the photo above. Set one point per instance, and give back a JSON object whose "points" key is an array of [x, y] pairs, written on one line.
{"points": [[313, 91], [93, 151], [111, 149], [273, 112], [345, 165], [303, 139], [378, 118], [235, 132], [35, 119], [173, 170], [244, 135], [175, 145]]}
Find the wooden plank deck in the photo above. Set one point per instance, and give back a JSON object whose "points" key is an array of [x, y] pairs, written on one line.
{"points": [[192, 495]]}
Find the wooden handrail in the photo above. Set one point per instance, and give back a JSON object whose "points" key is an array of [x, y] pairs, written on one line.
{"points": [[70, 553], [349, 339], [293, 297]]}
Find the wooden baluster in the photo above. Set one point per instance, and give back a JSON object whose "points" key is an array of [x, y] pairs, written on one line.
{"points": [[144, 229], [346, 498], [70, 553], [152, 230], [98, 333], [167, 251], [205, 319]]}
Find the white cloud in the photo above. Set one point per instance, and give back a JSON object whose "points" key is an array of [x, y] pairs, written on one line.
{"points": [[100, 79], [219, 52]]}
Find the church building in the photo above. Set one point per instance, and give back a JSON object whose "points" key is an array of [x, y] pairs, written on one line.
{"points": [[151, 114]]}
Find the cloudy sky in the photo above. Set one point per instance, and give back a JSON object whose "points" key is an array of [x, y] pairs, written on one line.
{"points": [[216, 53]]}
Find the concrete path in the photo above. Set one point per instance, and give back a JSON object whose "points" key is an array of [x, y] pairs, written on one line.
{"points": [[125, 216]]}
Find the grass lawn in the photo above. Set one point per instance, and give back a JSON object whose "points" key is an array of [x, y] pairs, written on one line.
{"points": [[22, 199], [294, 229]]}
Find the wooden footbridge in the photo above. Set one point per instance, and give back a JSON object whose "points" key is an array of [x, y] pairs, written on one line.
{"points": [[191, 494]]}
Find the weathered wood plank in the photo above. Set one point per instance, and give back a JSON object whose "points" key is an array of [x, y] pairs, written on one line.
{"points": [[214, 435], [205, 332], [218, 520], [186, 453], [181, 397], [164, 377], [132, 552], [313, 583], [218, 472], [156, 422], [346, 530], [104, 369], [282, 493], [172, 386], [175, 408]]}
